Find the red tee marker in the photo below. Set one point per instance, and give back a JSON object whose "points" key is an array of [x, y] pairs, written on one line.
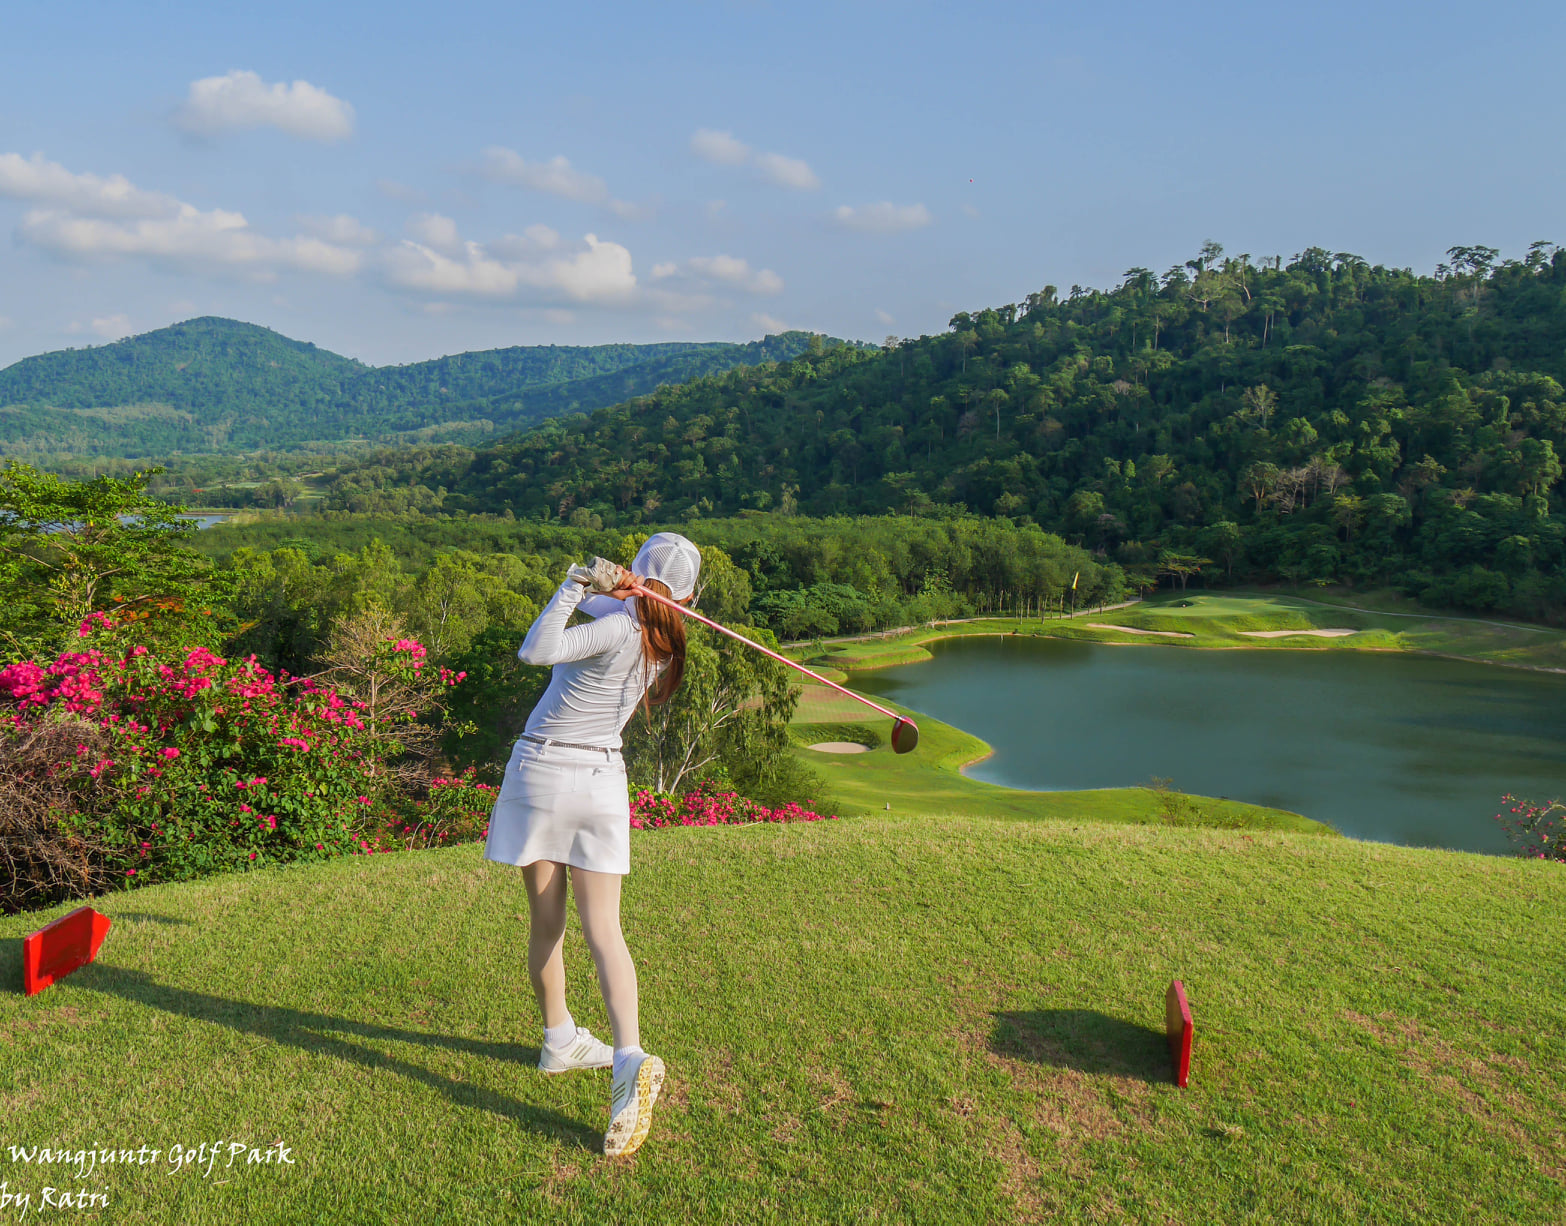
{"points": [[57, 949], [1177, 1013]]}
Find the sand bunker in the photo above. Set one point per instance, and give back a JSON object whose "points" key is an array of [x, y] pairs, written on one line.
{"points": [[1279, 634], [1168, 634], [840, 747]]}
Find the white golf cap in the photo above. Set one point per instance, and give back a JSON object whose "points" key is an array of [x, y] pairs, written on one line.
{"points": [[671, 559]]}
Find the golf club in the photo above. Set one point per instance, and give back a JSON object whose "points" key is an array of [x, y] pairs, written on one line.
{"points": [[905, 733]]}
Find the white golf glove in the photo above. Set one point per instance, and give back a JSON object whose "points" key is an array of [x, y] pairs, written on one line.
{"points": [[601, 575]]}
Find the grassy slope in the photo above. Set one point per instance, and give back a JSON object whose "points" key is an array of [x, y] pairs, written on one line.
{"points": [[942, 1020]]}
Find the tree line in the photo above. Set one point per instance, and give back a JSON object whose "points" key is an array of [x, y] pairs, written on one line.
{"points": [[1316, 420]]}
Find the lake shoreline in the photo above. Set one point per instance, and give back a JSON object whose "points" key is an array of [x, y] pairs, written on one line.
{"points": [[1405, 751], [907, 645]]}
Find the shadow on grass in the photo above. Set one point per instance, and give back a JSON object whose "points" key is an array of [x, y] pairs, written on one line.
{"points": [[1084, 1040], [319, 1034], [11, 966]]}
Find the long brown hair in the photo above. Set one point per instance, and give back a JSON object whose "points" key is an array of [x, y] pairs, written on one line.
{"points": [[663, 638]]}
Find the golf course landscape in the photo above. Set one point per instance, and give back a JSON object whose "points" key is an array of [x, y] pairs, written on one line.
{"points": [[946, 1006], [739, 613]]}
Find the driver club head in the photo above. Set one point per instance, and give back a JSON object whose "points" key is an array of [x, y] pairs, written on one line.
{"points": [[905, 735]]}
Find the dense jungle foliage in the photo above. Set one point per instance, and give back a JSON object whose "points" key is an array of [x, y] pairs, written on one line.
{"points": [[453, 578], [1317, 420], [219, 386]]}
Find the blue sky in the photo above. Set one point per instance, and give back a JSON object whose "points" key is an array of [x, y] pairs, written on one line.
{"points": [[396, 182]]}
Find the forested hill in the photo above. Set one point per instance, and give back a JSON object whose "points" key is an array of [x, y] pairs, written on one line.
{"points": [[1323, 419], [220, 386]]}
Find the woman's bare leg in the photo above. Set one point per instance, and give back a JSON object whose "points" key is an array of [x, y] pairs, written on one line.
{"points": [[598, 903], [546, 904]]}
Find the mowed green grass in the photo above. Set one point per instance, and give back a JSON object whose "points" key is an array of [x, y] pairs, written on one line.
{"points": [[883, 1019], [930, 780]]}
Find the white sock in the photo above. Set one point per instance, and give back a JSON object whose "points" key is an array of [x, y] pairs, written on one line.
{"points": [[622, 1054], [560, 1036]]}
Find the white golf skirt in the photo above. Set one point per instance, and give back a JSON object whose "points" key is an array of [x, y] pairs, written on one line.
{"points": [[566, 805]]}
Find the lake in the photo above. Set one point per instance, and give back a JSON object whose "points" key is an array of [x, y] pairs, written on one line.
{"points": [[1397, 748]]}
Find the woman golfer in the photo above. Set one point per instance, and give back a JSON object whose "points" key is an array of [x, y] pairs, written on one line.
{"points": [[564, 804]]}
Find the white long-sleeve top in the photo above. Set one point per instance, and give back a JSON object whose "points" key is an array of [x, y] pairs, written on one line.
{"points": [[598, 676]]}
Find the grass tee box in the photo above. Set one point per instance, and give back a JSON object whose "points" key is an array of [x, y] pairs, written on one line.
{"points": [[881, 1019]]}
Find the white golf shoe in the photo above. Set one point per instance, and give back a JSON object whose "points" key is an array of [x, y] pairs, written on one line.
{"points": [[631, 1101], [583, 1051]]}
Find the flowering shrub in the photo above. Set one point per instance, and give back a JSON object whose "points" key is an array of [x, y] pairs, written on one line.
{"points": [[199, 764], [124, 764], [455, 811], [1537, 831], [705, 805]]}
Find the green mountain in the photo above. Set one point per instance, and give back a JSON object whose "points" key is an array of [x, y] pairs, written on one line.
{"points": [[1323, 420], [217, 386]]}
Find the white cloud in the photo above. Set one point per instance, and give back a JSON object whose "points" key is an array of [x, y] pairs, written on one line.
{"points": [[726, 149], [731, 270], [969, 211], [243, 100], [415, 266], [597, 272], [884, 317], [44, 182], [88, 218], [556, 177], [720, 147], [883, 218], [209, 239], [212, 239], [557, 315], [527, 245], [770, 325], [433, 230], [787, 172], [341, 228], [5, 322], [723, 270]]}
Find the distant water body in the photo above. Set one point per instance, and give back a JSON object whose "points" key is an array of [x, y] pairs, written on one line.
{"points": [[1397, 748]]}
